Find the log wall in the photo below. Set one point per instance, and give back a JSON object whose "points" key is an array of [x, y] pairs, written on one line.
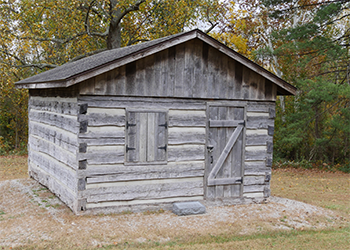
{"points": [[53, 145], [258, 149], [110, 181]]}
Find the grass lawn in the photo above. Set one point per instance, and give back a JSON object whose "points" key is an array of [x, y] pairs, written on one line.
{"points": [[329, 190]]}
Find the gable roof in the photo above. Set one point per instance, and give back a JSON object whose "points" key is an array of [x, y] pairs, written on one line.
{"points": [[74, 72]]}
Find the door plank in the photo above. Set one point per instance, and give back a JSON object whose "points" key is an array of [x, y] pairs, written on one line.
{"points": [[224, 123], [225, 181], [225, 152]]}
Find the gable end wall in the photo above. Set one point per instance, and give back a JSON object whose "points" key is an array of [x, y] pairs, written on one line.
{"points": [[189, 70]]}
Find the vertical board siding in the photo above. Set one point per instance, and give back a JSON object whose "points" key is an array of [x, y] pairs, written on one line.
{"points": [[189, 70]]}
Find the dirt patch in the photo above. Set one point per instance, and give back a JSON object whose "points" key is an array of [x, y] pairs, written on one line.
{"points": [[13, 167], [31, 216]]}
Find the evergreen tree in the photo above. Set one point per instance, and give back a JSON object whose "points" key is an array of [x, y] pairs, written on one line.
{"points": [[314, 55]]}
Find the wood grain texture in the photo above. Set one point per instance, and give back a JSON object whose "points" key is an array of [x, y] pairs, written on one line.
{"points": [[62, 138], [54, 185], [103, 119], [253, 189], [66, 122], [108, 132], [103, 155], [186, 135], [54, 169], [120, 172], [258, 155], [179, 153], [253, 180], [191, 70], [144, 192], [53, 150], [142, 205], [142, 103], [187, 118], [65, 106], [116, 141]]}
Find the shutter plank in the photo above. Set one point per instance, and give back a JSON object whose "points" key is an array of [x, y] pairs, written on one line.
{"points": [[161, 136], [131, 146], [151, 142], [142, 139]]}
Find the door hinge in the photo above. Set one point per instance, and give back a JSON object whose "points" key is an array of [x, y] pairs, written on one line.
{"points": [[242, 123], [165, 147], [127, 148], [165, 125], [129, 125]]}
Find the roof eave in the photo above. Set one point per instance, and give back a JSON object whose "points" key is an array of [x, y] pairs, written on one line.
{"points": [[286, 88], [42, 85]]}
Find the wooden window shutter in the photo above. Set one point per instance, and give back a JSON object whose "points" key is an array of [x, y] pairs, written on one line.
{"points": [[161, 136], [132, 135], [146, 137]]}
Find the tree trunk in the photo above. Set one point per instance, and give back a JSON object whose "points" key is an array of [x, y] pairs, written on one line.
{"points": [[114, 35]]}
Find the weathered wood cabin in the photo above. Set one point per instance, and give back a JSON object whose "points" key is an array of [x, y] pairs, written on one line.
{"points": [[181, 118]]}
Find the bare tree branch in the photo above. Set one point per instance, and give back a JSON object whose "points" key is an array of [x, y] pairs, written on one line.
{"points": [[132, 41], [6, 52], [131, 8], [312, 4], [211, 23], [24, 64], [36, 65], [87, 26], [45, 39]]}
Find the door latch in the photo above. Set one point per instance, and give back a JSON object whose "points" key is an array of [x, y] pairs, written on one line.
{"points": [[210, 148]]}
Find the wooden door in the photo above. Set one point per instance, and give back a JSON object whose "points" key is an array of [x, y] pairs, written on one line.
{"points": [[224, 164]]}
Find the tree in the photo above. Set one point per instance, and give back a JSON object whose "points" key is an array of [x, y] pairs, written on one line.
{"points": [[314, 55], [43, 34], [50, 32], [307, 44]]}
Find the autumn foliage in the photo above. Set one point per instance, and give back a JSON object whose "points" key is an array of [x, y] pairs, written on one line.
{"points": [[305, 42]]}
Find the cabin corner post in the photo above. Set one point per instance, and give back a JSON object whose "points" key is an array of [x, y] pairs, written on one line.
{"points": [[80, 204], [259, 150]]}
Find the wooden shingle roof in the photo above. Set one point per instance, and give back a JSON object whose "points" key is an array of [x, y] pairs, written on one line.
{"points": [[88, 67]]}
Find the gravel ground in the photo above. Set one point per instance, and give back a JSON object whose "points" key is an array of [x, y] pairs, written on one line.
{"points": [[30, 214]]}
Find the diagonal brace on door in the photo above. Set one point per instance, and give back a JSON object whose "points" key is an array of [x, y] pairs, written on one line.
{"points": [[211, 178]]}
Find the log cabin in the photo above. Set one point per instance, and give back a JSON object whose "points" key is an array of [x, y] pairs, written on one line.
{"points": [[181, 118]]}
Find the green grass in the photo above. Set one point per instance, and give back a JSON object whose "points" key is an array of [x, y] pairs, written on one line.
{"points": [[295, 239]]}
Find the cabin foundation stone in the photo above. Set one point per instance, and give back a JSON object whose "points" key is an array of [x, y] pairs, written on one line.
{"points": [[188, 208]]}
